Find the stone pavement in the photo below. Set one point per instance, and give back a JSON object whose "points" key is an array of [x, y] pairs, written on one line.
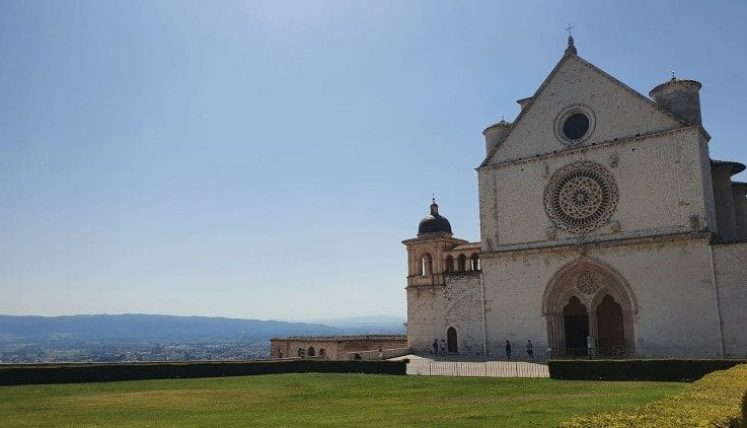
{"points": [[428, 367]]}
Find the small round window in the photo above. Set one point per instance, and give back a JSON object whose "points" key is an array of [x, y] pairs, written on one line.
{"points": [[574, 125]]}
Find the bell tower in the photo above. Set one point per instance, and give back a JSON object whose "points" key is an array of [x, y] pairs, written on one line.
{"points": [[426, 259]]}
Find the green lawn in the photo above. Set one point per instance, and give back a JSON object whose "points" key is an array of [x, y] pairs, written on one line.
{"points": [[321, 399]]}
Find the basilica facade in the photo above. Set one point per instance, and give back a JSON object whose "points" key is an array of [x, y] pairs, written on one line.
{"points": [[605, 226]]}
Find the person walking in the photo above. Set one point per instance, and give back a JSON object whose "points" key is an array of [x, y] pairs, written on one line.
{"points": [[381, 353], [530, 349], [435, 346], [443, 347], [508, 349]]}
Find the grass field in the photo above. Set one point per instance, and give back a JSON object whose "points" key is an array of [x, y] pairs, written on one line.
{"points": [[321, 399]]}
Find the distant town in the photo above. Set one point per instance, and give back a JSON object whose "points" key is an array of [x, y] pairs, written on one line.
{"points": [[110, 352], [136, 337]]}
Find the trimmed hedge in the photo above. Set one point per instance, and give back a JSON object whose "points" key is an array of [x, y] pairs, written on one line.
{"points": [[75, 373], [661, 370], [713, 401]]}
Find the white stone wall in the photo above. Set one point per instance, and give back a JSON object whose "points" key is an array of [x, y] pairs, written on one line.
{"points": [[730, 262], [463, 310], [618, 112], [659, 182], [432, 310], [671, 282], [425, 317]]}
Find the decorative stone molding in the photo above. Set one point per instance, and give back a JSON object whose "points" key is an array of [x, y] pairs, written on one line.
{"points": [[580, 111], [552, 233], [614, 160], [588, 282], [581, 196], [580, 149]]}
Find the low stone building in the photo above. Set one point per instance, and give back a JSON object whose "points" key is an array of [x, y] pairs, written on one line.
{"points": [[337, 347], [605, 227]]}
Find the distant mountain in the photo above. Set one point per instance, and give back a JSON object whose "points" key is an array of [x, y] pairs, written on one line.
{"points": [[366, 324], [137, 327]]}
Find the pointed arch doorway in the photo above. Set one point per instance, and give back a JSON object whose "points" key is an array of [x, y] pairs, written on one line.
{"points": [[575, 324], [451, 340], [587, 298], [610, 325]]}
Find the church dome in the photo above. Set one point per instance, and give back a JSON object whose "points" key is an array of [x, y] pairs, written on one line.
{"points": [[434, 223]]}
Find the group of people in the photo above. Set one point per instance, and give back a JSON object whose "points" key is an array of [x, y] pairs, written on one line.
{"points": [[439, 348], [529, 348]]}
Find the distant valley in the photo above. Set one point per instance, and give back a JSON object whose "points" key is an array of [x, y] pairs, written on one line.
{"points": [[138, 337]]}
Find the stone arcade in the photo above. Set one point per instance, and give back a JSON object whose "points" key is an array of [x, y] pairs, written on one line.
{"points": [[604, 224]]}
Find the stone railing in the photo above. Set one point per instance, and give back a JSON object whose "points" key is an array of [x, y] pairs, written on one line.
{"points": [[374, 355]]}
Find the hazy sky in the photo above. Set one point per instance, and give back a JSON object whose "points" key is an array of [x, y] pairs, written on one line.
{"points": [[264, 159]]}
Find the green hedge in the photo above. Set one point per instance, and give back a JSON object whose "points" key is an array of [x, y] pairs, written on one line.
{"points": [[661, 370], [74, 373], [713, 401]]}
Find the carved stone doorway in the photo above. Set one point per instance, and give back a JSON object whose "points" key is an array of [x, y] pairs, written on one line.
{"points": [[589, 298], [576, 324]]}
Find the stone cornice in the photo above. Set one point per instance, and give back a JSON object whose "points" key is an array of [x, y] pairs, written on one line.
{"points": [[582, 246], [435, 238], [582, 149]]}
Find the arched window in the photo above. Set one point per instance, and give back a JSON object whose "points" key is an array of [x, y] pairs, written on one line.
{"points": [[462, 263], [474, 262], [449, 264], [426, 265], [321, 352], [311, 352]]}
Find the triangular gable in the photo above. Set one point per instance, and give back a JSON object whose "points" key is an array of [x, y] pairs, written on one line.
{"points": [[620, 111]]}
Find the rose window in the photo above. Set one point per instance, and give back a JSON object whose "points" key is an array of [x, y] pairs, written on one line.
{"points": [[581, 196], [588, 282]]}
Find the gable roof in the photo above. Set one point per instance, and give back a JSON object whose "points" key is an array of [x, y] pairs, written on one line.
{"points": [[547, 80]]}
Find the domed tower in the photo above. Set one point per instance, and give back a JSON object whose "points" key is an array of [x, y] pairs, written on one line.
{"points": [[443, 272], [434, 223], [426, 253]]}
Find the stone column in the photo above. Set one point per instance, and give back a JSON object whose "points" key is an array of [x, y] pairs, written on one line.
{"points": [[555, 331]]}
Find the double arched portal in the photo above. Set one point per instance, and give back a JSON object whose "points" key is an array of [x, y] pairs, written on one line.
{"points": [[589, 304]]}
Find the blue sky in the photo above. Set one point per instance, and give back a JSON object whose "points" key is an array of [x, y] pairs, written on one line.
{"points": [[264, 159]]}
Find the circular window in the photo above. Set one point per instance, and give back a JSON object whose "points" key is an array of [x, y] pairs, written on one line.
{"points": [[580, 197], [574, 125]]}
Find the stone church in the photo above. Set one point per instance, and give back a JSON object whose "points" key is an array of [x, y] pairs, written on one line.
{"points": [[605, 226]]}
